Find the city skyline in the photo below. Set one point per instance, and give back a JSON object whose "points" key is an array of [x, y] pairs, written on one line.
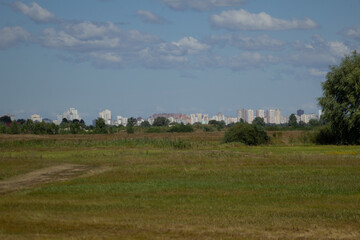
{"points": [[270, 116], [144, 57]]}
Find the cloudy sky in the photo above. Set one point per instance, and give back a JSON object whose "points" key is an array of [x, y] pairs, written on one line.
{"points": [[142, 57]]}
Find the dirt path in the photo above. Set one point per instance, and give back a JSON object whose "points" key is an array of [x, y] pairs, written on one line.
{"points": [[45, 175]]}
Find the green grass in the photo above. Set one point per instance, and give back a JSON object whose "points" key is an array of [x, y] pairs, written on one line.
{"points": [[183, 188]]}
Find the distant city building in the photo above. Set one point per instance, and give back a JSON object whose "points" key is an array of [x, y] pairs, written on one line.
{"points": [[260, 113], [299, 112], [106, 115], [277, 116], [120, 121], [36, 118], [270, 116], [241, 115], [249, 115], [70, 115], [307, 117]]}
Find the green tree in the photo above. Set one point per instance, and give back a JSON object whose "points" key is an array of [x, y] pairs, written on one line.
{"points": [[161, 122], [28, 126], [314, 123], [250, 134], [5, 119], [15, 128], [131, 121], [292, 121], [259, 121], [100, 126], [145, 124], [340, 101]]}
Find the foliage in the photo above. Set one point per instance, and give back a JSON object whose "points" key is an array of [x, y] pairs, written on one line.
{"points": [[218, 124], [100, 126], [340, 101], [15, 128], [324, 135], [207, 128], [246, 133], [259, 121], [161, 122], [130, 129], [5, 119], [181, 128], [131, 122], [145, 124], [292, 120]]}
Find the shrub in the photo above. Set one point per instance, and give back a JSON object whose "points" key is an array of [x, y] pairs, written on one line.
{"points": [[181, 128], [325, 135], [246, 133]]}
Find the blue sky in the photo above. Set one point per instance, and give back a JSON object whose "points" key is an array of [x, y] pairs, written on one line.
{"points": [[142, 57]]}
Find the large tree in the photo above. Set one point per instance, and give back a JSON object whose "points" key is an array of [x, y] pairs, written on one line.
{"points": [[161, 121], [341, 100]]}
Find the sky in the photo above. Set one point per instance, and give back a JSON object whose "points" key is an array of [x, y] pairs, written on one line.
{"points": [[142, 57]]}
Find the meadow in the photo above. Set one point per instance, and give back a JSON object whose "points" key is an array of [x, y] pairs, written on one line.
{"points": [[177, 186]]}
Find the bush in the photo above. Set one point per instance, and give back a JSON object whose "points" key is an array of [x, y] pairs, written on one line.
{"points": [[181, 128], [130, 129], [246, 133], [325, 135]]}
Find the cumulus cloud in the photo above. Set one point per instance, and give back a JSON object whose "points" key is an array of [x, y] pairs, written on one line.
{"points": [[353, 32], [35, 12], [190, 45], [263, 42], [10, 36], [149, 17], [172, 55], [242, 61], [243, 20], [316, 72], [318, 53], [89, 36], [202, 5]]}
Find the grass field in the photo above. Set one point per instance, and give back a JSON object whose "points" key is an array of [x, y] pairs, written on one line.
{"points": [[176, 186]]}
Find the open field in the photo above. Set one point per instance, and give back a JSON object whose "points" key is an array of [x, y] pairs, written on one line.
{"points": [[176, 186]]}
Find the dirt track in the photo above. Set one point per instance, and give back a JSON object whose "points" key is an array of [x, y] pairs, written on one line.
{"points": [[45, 175]]}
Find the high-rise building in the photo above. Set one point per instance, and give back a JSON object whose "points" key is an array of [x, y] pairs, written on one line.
{"points": [[277, 116], [249, 115], [299, 112], [36, 118], [241, 115], [270, 115], [205, 119], [260, 113], [70, 115], [106, 115]]}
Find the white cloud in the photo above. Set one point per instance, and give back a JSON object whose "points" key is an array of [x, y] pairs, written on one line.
{"points": [[88, 36], [316, 72], [176, 54], [319, 53], [191, 45], [202, 5], [353, 32], [88, 30], [243, 20], [35, 12], [242, 61], [151, 58], [149, 17], [263, 42], [10, 36]]}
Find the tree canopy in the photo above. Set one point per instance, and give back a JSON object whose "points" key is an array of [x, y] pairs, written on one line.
{"points": [[340, 101], [259, 121], [161, 121]]}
